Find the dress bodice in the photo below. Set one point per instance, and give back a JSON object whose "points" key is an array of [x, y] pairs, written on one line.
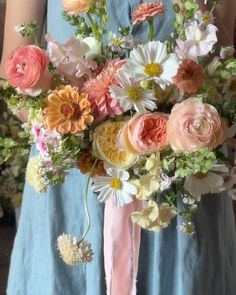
{"points": [[119, 14]]}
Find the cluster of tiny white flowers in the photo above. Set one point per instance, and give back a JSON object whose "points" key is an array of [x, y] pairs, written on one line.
{"points": [[35, 174]]}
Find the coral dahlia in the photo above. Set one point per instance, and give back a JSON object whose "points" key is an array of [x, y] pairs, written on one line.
{"points": [[189, 77], [102, 104]]}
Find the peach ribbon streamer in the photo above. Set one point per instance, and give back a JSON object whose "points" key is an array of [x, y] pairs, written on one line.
{"points": [[121, 248]]}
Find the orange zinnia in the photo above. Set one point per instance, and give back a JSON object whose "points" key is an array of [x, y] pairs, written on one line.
{"points": [[67, 111]]}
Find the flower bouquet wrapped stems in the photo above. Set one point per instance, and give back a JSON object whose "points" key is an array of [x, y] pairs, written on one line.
{"points": [[140, 118]]}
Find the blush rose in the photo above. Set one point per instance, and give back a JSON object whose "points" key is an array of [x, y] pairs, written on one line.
{"points": [[144, 134], [193, 124]]}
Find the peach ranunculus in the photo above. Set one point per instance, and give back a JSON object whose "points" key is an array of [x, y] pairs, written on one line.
{"points": [[144, 134], [67, 111], [189, 77], [147, 10], [76, 7], [27, 69], [193, 124]]}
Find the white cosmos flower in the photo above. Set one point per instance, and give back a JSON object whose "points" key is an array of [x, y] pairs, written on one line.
{"points": [[151, 61], [116, 186], [198, 185], [130, 94]]}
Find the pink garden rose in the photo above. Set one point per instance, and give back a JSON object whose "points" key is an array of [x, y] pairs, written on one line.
{"points": [[144, 134], [193, 124], [27, 69]]}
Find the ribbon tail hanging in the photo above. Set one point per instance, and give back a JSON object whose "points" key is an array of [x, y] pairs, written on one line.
{"points": [[121, 248]]}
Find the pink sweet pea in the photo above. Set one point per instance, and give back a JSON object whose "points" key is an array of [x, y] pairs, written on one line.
{"points": [[199, 41], [44, 138], [69, 58]]}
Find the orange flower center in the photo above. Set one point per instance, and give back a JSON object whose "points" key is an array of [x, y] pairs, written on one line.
{"points": [[116, 183], [207, 18], [187, 74], [153, 69]]}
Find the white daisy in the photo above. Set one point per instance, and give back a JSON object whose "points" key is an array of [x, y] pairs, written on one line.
{"points": [[200, 184], [114, 185], [130, 94], [151, 61]]}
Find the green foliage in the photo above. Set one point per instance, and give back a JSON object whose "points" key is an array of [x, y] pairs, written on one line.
{"points": [[82, 29], [63, 158], [185, 164], [227, 109], [93, 22], [7, 91], [27, 30], [226, 69], [184, 13]]}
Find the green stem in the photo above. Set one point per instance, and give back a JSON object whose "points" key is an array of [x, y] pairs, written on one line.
{"points": [[86, 203], [151, 29], [216, 2], [93, 27]]}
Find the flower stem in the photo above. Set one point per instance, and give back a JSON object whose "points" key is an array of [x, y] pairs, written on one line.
{"points": [[93, 27], [86, 203], [151, 29]]}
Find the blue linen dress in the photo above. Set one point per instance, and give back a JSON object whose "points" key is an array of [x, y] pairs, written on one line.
{"points": [[171, 263]]}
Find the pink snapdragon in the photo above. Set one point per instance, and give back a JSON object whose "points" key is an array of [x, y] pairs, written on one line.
{"points": [[44, 138]]}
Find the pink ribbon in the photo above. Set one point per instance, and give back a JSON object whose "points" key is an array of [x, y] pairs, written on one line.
{"points": [[121, 248]]}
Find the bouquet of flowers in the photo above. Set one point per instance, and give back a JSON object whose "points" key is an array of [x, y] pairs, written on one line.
{"points": [[145, 120]]}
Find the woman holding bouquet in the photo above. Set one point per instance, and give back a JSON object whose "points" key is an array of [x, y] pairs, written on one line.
{"points": [[170, 263]]}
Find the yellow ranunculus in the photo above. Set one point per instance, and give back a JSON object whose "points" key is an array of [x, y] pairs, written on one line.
{"points": [[105, 137]]}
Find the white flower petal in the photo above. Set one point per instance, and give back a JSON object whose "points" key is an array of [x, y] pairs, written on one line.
{"points": [[105, 194], [129, 188]]}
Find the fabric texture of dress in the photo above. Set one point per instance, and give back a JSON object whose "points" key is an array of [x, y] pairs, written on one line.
{"points": [[171, 263]]}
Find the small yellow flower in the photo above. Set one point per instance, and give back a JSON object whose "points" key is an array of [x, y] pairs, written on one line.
{"points": [[155, 217], [35, 174]]}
